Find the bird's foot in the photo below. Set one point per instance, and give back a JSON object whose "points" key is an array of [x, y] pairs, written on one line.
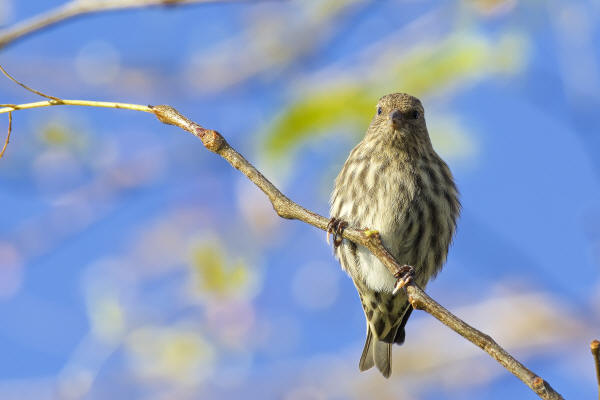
{"points": [[336, 228], [403, 277]]}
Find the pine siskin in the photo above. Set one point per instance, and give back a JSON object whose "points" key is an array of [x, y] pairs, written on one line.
{"points": [[393, 182]]}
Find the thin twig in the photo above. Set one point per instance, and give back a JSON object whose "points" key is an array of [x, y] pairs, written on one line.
{"points": [[77, 8], [595, 348], [9, 76], [286, 208], [63, 102], [57, 101], [7, 135]]}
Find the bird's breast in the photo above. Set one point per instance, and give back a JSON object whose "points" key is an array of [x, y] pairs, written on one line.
{"points": [[410, 204]]}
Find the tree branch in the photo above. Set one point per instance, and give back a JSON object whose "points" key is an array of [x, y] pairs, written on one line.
{"points": [[77, 8], [595, 348], [370, 239], [421, 301]]}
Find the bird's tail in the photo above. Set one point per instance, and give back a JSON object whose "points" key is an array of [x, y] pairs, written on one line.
{"points": [[378, 345], [376, 353]]}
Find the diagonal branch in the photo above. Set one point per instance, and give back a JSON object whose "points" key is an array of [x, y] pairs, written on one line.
{"points": [[370, 239], [421, 301], [76, 8]]}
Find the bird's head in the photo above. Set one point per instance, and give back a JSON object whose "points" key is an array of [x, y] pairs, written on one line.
{"points": [[400, 111], [400, 118]]}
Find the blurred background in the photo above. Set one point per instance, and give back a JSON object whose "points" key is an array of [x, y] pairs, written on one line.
{"points": [[134, 264]]}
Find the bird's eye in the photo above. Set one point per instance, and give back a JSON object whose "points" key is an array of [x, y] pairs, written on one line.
{"points": [[379, 110], [414, 114]]}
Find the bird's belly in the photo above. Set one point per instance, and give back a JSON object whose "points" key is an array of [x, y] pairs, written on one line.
{"points": [[413, 231], [389, 219], [375, 275]]}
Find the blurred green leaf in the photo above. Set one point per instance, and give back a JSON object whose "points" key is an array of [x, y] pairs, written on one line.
{"points": [[426, 69], [315, 113]]}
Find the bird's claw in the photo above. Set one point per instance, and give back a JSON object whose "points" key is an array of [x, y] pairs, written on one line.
{"points": [[336, 228], [403, 277]]}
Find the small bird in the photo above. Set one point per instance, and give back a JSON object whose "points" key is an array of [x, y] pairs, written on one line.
{"points": [[395, 183]]}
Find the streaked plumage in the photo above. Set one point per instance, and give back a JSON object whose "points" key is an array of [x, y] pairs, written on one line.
{"points": [[394, 182]]}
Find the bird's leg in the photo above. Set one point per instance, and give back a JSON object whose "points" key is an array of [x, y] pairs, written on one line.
{"points": [[404, 276], [336, 228]]}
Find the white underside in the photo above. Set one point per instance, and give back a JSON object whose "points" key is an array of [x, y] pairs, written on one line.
{"points": [[375, 274]]}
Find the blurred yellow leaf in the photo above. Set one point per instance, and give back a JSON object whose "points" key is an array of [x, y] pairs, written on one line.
{"points": [[55, 134], [175, 354], [62, 133], [212, 273]]}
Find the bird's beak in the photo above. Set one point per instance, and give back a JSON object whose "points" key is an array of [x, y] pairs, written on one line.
{"points": [[395, 119]]}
